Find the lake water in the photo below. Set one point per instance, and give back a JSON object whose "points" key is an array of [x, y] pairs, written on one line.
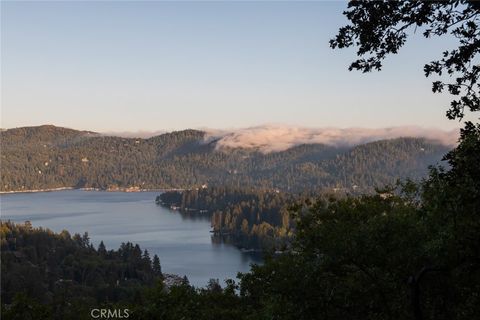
{"points": [[184, 245]]}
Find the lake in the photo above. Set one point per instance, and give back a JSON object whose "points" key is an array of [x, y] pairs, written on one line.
{"points": [[184, 245]]}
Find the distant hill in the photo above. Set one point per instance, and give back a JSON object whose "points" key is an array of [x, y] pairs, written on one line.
{"points": [[47, 157]]}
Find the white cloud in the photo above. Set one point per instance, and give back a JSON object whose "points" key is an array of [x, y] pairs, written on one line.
{"points": [[271, 138], [274, 138]]}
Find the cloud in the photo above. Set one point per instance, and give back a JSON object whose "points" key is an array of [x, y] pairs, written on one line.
{"points": [[271, 138], [274, 138]]}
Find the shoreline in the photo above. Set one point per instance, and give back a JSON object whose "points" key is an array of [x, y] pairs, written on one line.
{"points": [[37, 190], [127, 190]]}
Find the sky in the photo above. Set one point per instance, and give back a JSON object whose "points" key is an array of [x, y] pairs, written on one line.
{"points": [[161, 66]]}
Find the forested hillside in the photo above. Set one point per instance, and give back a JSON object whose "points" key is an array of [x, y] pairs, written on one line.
{"points": [[66, 273], [48, 157]]}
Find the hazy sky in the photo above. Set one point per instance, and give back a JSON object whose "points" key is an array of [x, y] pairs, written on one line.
{"points": [[128, 66]]}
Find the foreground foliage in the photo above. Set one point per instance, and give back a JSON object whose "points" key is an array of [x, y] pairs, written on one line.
{"points": [[380, 28]]}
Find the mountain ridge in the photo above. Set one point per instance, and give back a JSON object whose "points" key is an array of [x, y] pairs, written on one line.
{"points": [[47, 157], [272, 134]]}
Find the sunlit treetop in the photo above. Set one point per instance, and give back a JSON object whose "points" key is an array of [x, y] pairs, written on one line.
{"points": [[380, 28]]}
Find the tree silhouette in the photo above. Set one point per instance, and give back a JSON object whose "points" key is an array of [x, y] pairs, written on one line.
{"points": [[157, 269], [380, 28]]}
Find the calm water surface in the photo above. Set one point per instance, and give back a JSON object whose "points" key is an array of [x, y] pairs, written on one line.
{"points": [[184, 245]]}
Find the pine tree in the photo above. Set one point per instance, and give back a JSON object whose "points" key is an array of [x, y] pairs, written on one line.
{"points": [[101, 249], [146, 260], [157, 269], [85, 240]]}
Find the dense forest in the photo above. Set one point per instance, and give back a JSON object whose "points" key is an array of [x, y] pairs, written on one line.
{"points": [[411, 253], [59, 270], [48, 157], [250, 219]]}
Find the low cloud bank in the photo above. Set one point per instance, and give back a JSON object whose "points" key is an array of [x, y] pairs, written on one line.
{"points": [[279, 138], [274, 138]]}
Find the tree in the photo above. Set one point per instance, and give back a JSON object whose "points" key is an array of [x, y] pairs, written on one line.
{"points": [[85, 239], [146, 258], [350, 260], [157, 269], [50, 276], [451, 202], [101, 249], [23, 308], [185, 281], [379, 28], [449, 198], [214, 286]]}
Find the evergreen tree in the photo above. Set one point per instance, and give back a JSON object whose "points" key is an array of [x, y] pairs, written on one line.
{"points": [[157, 269], [101, 249]]}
